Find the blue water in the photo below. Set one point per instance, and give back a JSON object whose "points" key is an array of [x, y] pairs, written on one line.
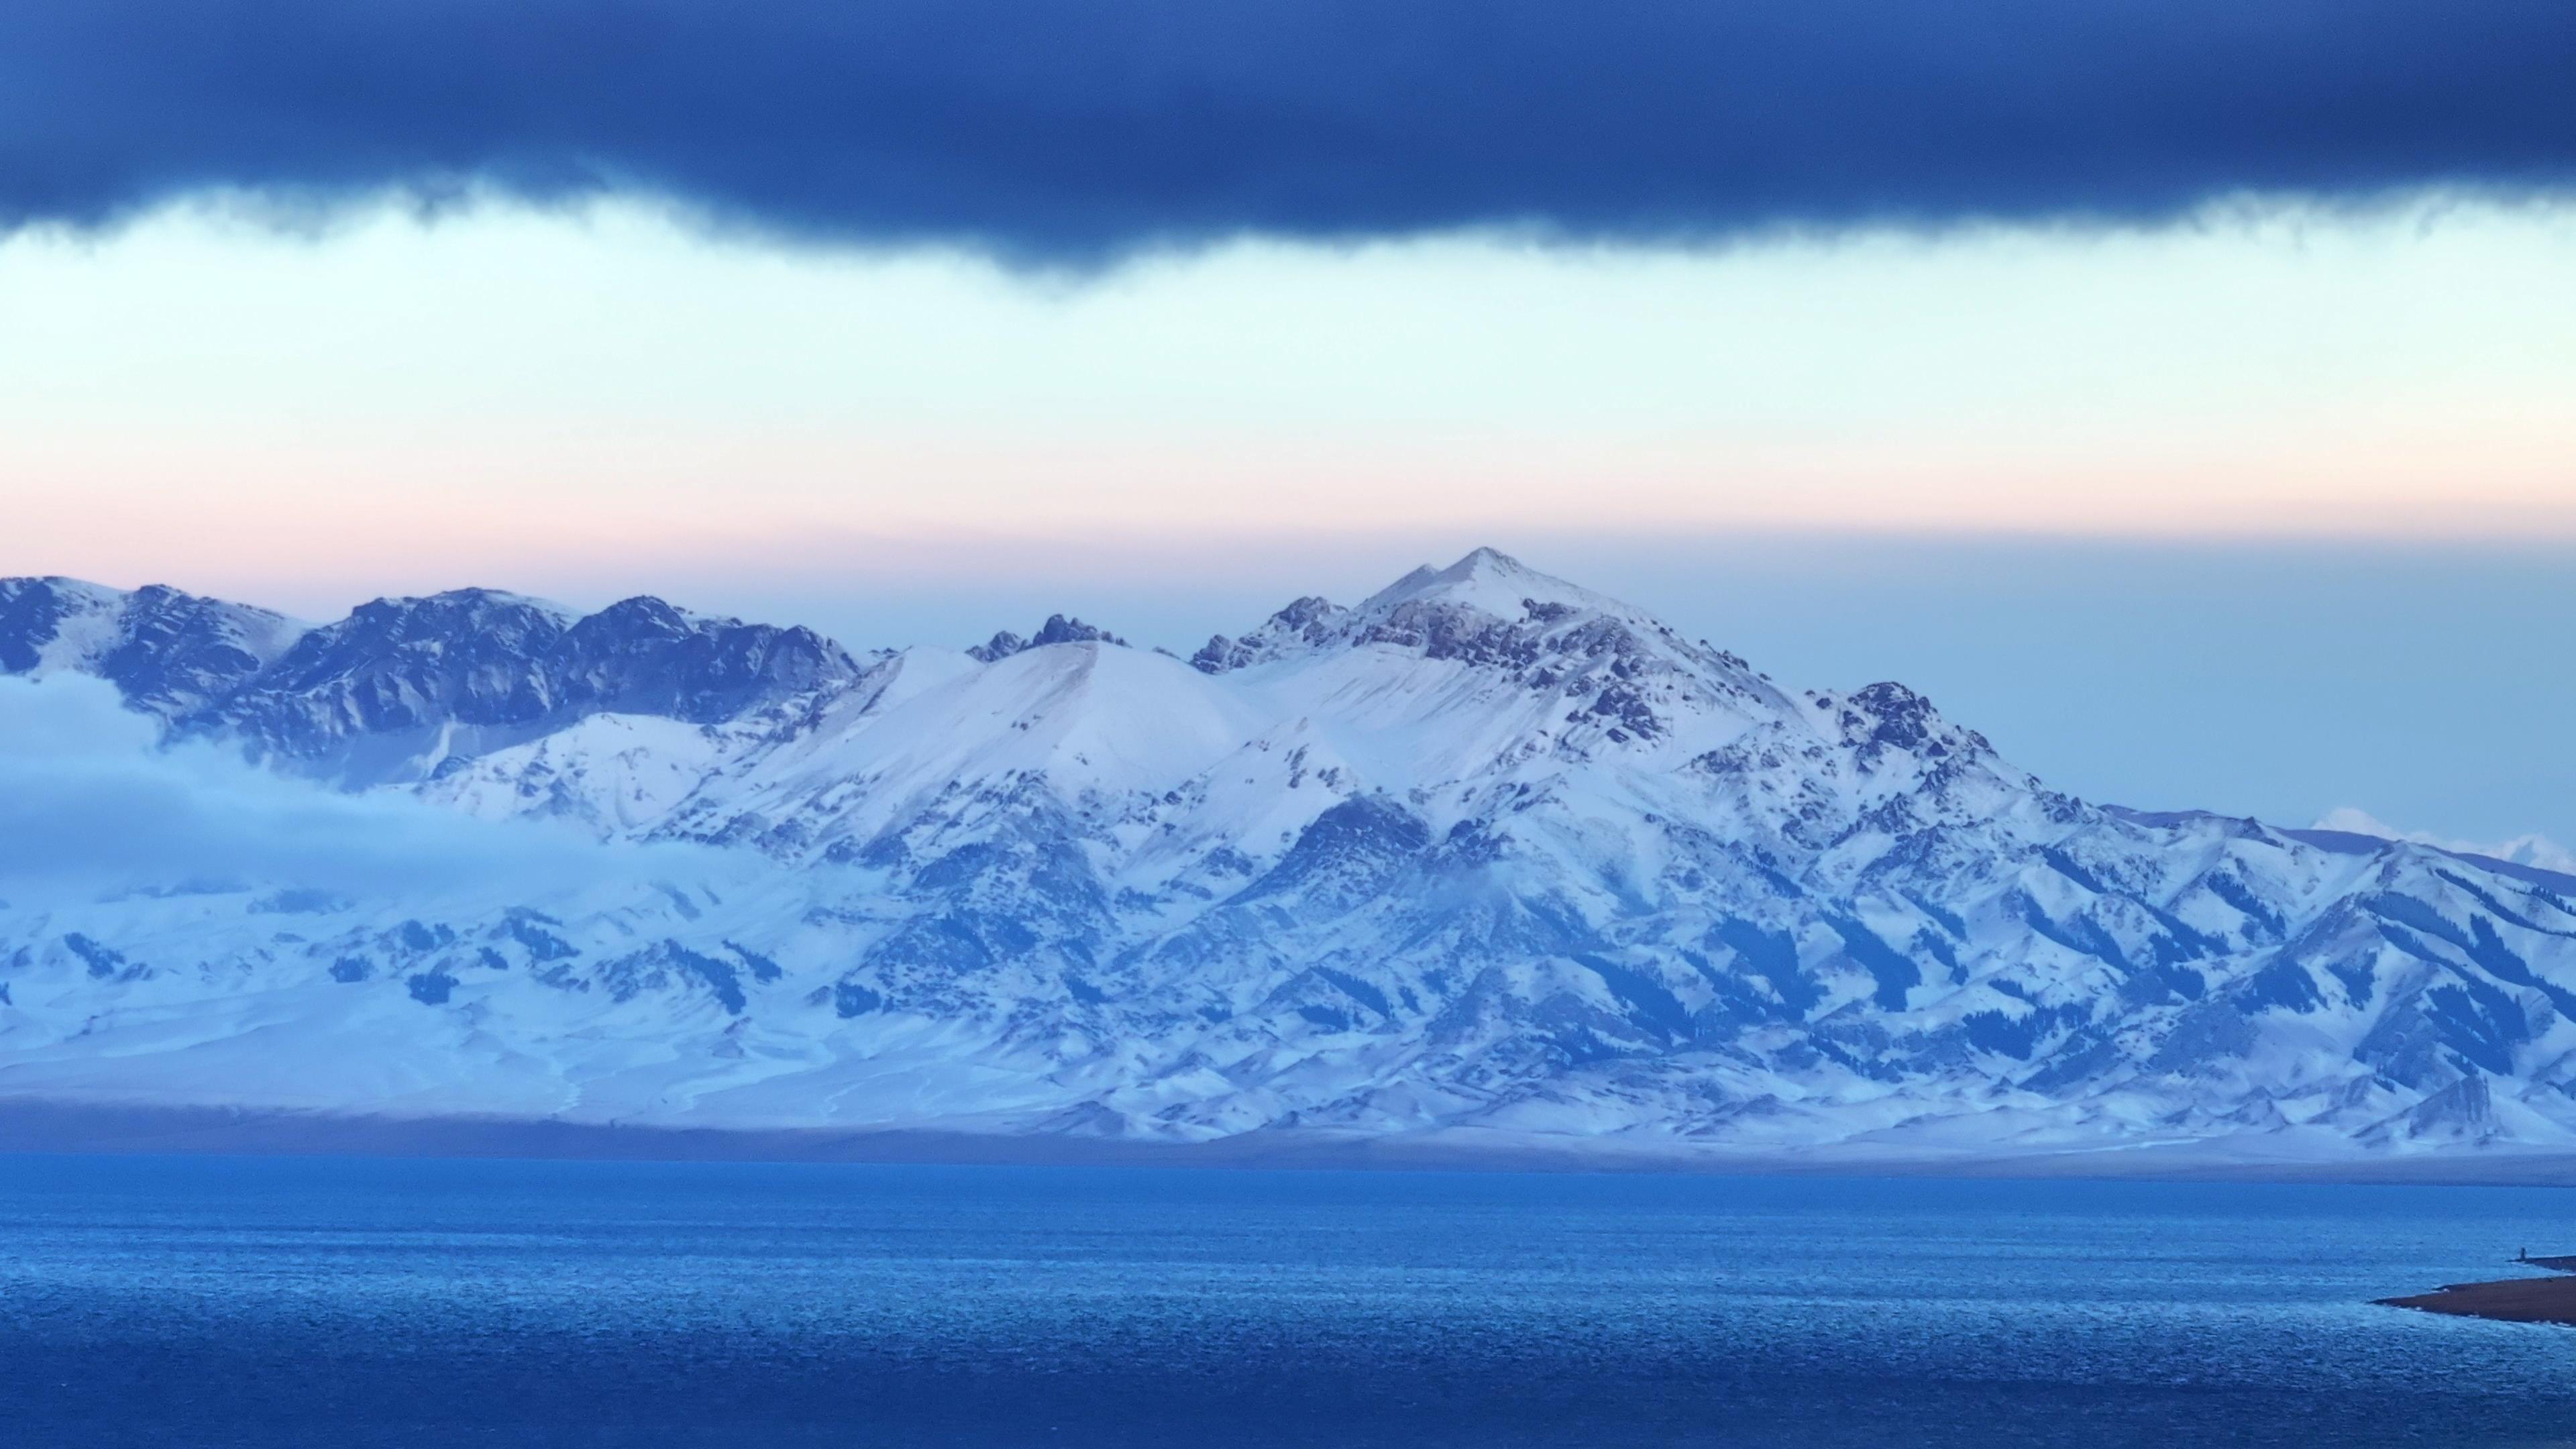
{"points": [[189, 1302]]}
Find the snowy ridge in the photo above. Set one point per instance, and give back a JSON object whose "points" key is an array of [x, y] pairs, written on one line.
{"points": [[1485, 856]]}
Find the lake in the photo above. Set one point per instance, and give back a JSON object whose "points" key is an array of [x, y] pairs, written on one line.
{"points": [[201, 1301]]}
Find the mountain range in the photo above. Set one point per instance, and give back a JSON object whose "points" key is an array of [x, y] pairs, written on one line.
{"points": [[1485, 860]]}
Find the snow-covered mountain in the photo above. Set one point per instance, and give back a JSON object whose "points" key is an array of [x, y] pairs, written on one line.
{"points": [[1483, 858]]}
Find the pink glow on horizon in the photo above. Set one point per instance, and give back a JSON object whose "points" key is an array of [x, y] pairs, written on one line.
{"points": [[426, 517], [514, 398]]}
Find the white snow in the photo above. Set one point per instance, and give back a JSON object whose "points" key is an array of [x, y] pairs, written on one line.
{"points": [[1443, 865]]}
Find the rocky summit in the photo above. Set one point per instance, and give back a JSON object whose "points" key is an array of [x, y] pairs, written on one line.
{"points": [[1486, 859]]}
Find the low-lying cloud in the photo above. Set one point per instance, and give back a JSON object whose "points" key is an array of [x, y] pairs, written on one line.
{"points": [[1058, 130], [2535, 850], [91, 802]]}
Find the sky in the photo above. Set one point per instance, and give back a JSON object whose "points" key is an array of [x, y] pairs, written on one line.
{"points": [[2184, 394]]}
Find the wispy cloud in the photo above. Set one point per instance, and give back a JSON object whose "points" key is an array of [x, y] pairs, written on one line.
{"points": [[90, 801], [1057, 131], [2533, 850]]}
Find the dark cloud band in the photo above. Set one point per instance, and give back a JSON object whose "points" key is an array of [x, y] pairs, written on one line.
{"points": [[1073, 129]]}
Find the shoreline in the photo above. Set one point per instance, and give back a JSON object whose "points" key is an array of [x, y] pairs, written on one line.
{"points": [[40, 1126], [2546, 1298]]}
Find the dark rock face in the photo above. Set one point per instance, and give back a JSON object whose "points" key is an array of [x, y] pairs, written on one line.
{"points": [[32, 612], [1001, 646], [1349, 854], [1448, 631], [467, 657], [1310, 622], [180, 651], [1892, 715], [1058, 629], [495, 665], [167, 651], [642, 656]]}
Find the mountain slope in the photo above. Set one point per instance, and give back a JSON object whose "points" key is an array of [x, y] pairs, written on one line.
{"points": [[1486, 855]]}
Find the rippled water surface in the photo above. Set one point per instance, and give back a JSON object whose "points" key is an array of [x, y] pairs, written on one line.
{"points": [[183, 1302]]}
